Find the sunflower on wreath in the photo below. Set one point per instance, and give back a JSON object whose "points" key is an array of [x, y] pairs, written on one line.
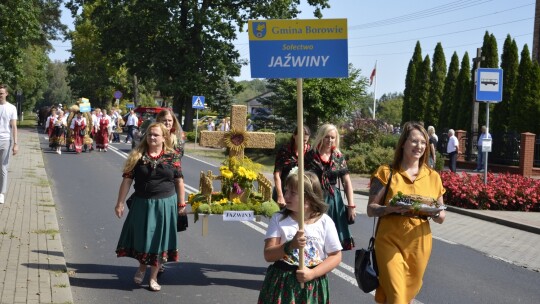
{"points": [[238, 176]]}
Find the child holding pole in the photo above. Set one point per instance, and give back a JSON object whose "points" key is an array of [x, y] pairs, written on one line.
{"points": [[284, 239]]}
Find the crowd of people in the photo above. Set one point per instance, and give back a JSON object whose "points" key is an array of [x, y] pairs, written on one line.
{"points": [[73, 129], [403, 239]]}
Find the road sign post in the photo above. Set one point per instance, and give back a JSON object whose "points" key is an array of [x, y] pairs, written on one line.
{"points": [[489, 89], [197, 102], [299, 49]]}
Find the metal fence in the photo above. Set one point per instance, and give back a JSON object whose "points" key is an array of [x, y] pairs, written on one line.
{"points": [[504, 151]]}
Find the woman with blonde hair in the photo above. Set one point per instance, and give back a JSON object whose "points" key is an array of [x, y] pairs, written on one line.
{"points": [[327, 161], [149, 231], [170, 121]]}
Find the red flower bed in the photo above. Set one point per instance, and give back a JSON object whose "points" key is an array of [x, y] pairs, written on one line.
{"points": [[510, 192]]}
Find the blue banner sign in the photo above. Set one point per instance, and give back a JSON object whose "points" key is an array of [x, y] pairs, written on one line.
{"points": [[314, 48]]}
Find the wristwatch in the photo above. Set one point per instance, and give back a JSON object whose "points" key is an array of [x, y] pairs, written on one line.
{"points": [[436, 215]]}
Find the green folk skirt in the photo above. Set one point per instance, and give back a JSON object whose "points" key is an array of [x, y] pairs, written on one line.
{"points": [[281, 286], [149, 232], [338, 212]]}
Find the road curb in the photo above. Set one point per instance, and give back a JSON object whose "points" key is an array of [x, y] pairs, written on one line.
{"points": [[481, 216], [500, 221]]}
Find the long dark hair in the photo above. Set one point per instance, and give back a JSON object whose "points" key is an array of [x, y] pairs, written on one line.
{"points": [[307, 132]]}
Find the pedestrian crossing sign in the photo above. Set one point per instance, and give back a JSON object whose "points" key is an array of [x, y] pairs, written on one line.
{"points": [[197, 102]]}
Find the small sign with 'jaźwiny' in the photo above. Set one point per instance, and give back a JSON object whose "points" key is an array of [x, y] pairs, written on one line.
{"points": [[238, 216]]}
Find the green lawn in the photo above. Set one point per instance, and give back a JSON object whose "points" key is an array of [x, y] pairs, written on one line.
{"points": [[27, 121]]}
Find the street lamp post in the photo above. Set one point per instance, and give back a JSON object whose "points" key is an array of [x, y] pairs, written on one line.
{"points": [[18, 100]]}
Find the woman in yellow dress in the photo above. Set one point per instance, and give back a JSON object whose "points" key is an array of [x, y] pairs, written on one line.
{"points": [[403, 240]]}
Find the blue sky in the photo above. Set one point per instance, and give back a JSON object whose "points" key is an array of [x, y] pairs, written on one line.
{"points": [[387, 31]]}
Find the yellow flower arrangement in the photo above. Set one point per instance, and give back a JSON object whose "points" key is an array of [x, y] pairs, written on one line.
{"points": [[237, 177]]}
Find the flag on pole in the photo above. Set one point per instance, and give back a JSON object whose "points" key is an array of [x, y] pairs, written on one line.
{"points": [[373, 74]]}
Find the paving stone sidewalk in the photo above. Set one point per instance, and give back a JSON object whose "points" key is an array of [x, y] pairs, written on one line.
{"points": [[33, 268]]}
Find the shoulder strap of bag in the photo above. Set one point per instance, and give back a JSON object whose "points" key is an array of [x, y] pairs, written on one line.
{"points": [[384, 197]]}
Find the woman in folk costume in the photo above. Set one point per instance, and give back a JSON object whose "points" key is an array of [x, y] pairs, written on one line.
{"points": [[58, 137], [286, 160], [78, 125], [49, 125], [327, 161], [172, 124], [102, 136]]}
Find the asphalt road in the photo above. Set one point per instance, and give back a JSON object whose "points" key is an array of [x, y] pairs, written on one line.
{"points": [[227, 265]]}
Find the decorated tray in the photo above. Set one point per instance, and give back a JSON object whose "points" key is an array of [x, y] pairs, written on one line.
{"points": [[417, 203], [421, 207]]}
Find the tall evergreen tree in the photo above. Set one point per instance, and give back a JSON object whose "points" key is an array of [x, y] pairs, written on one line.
{"points": [[449, 95], [491, 60], [526, 95], [534, 109], [509, 64], [461, 115], [436, 88], [418, 106], [407, 93], [223, 97], [410, 83]]}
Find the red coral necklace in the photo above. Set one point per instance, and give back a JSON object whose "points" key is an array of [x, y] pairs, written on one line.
{"points": [[155, 157]]}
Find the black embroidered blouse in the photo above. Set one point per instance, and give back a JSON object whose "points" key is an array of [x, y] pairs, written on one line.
{"points": [[154, 178]]}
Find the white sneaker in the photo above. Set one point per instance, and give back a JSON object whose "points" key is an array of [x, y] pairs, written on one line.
{"points": [[1, 198]]}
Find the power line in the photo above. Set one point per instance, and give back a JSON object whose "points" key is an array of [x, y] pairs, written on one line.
{"points": [[438, 10], [443, 34], [443, 24]]}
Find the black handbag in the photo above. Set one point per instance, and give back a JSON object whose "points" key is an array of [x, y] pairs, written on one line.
{"points": [[365, 268], [365, 262], [182, 222]]}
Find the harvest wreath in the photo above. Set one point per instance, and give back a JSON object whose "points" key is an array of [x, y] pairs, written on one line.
{"points": [[237, 178], [219, 203]]}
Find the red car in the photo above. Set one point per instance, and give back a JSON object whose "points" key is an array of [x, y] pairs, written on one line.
{"points": [[148, 115]]}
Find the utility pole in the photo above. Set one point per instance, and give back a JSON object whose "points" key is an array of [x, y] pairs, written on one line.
{"points": [[536, 33], [471, 138], [135, 91]]}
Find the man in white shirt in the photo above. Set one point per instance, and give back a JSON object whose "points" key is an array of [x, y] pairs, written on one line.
{"points": [[132, 123], [452, 149], [211, 126], [8, 137]]}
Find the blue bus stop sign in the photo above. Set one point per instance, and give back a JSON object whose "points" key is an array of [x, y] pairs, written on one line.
{"points": [[489, 85]]}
